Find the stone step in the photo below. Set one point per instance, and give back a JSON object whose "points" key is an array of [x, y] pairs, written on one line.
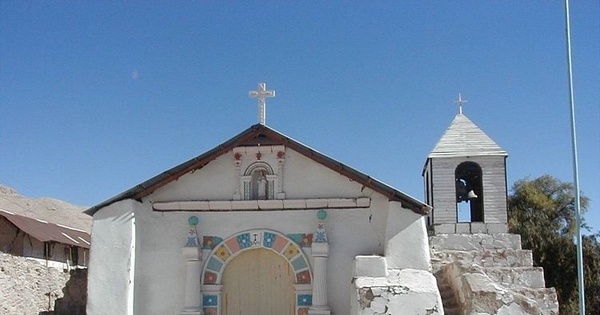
{"points": [[546, 298], [531, 277], [470, 242], [483, 290], [483, 293], [483, 258]]}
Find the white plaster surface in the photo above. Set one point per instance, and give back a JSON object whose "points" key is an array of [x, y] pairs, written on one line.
{"points": [[112, 260], [404, 234], [406, 291], [370, 266]]}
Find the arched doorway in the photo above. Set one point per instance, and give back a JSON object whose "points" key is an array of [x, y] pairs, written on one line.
{"points": [[258, 282], [262, 252]]}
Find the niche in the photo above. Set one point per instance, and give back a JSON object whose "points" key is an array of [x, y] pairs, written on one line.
{"points": [[259, 182]]}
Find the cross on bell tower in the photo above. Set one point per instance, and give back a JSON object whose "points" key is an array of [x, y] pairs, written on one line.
{"points": [[460, 102], [262, 93]]}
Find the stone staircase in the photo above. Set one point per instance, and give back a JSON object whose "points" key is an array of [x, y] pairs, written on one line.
{"points": [[489, 274], [449, 300]]}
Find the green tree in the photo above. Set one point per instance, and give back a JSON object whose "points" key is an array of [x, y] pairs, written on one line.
{"points": [[542, 211]]}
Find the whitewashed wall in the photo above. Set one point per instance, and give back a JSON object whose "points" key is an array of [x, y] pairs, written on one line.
{"points": [[159, 236], [112, 260], [406, 242]]}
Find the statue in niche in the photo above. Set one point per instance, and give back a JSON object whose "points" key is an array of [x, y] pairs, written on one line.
{"points": [[259, 185]]}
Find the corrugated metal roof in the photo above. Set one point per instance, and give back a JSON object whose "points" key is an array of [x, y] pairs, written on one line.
{"points": [[262, 135], [48, 232], [464, 138]]}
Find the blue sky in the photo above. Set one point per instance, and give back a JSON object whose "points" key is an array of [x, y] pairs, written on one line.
{"points": [[98, 96]]}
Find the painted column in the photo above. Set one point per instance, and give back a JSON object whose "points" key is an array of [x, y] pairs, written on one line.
{"points": [[193, 262], [280, 161], [320, 252], [238, 173]]}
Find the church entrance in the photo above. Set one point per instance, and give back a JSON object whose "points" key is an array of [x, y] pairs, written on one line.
{"points": [[258, 282]]}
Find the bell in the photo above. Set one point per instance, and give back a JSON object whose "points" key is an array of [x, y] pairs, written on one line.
{"points": [[471, 195]]}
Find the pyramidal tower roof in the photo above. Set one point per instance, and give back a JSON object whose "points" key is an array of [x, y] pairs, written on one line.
{"points": [[464, 138]]}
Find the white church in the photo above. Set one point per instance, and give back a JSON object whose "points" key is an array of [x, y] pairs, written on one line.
{"points": [[265, 225]]}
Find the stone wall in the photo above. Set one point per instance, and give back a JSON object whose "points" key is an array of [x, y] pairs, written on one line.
{"points": [[30, 288], [75, 294], [489, 274]]}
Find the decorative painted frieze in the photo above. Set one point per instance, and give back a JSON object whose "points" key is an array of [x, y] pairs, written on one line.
{"points": [[210, 242], [192, 239], [304, 240]]}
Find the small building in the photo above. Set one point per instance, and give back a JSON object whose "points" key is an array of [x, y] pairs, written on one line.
{"points": [[480, 268], [53, 244], [465, 181]]}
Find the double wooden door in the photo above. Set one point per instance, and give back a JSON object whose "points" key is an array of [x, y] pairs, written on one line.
{"points": [[258, 282]]}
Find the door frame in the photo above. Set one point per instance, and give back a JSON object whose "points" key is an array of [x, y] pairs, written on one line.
{"points": [[224, 252]]}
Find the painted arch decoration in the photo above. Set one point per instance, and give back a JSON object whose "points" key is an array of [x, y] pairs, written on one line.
{"points": [[222, 254], [226, 250]]}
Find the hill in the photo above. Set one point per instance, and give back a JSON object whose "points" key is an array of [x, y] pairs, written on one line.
{"points": [[47, 209]]}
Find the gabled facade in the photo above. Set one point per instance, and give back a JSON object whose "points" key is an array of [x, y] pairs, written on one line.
{"points": [[465, 181], [265, 224]]}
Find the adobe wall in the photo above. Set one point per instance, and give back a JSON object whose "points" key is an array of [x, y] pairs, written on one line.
{"points": [[28, 287]]}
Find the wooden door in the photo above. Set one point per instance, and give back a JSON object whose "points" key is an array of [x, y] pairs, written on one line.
{"points": [[258, 282]]}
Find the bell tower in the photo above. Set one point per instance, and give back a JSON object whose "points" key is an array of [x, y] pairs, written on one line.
{"points": [[465, 181]]}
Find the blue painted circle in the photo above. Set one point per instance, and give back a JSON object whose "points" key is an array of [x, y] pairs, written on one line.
{"points": [[322, 214], [193, 220]]}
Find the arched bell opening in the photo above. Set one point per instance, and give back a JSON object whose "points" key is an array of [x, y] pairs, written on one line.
{"points": [[469, 192]]}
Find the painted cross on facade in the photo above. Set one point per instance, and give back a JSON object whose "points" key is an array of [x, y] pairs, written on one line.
{"points": [[262, 94]]}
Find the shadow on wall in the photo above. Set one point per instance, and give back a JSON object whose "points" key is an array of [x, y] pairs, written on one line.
{"points": [[75, 295]]}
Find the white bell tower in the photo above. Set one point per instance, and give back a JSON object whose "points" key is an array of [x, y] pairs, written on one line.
{"points": [[465, 181]]}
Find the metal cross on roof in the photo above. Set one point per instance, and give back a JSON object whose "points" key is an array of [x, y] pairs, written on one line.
{"points": [[262, 94], [460, 101]]}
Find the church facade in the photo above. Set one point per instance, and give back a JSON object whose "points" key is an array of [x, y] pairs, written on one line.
{"points": [[262, 224]]}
